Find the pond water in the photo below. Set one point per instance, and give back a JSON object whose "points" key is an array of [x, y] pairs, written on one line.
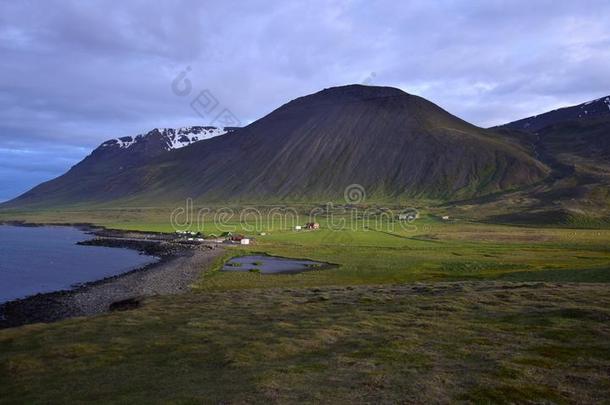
{"points": [[44, 259], [270, 264]]}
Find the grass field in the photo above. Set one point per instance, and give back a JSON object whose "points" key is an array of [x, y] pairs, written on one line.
{"points": [[478, 342], [439, 252], [437, 311]]}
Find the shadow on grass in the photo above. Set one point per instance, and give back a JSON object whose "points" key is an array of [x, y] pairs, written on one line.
{"points": [[599, 275]]}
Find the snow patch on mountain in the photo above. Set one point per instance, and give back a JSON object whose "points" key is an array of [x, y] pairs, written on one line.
{"points": [[174, 138], [604, 100], [181, 137], [598, 108], [598, 105], [126, 141], [123, 142]]}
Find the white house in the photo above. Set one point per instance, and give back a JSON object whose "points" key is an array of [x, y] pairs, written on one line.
{"points": [[445, 217], [297, 228], [245, 241]]}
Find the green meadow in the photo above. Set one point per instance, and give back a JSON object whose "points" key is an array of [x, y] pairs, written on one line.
{"points": [[426, 311], [429, 252]]}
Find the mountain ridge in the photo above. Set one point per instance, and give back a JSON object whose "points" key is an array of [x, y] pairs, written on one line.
{"points": [[172, 138], [393, 144], [593, 109]]}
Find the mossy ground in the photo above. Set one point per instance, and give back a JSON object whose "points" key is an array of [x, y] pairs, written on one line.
{"points": [[442, 342]]}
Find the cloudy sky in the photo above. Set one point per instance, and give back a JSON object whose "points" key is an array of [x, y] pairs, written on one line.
{"points": [[75, 73]]}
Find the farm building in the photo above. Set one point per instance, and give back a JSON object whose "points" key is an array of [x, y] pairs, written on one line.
{"points": [[189, 235], [312, 225]]}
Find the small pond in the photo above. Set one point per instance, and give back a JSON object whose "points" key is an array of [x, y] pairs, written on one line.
{"points": [[271, 264]]}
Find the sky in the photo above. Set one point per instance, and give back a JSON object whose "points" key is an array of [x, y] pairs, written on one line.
{"points": [[76, 73]]}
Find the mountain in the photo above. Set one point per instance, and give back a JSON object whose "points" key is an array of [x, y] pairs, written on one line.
{"points": [[574, 142], [163, 139], [577, 136], [116, 156], [121, 153], [128, 151], [391, 143], [591, 110]]}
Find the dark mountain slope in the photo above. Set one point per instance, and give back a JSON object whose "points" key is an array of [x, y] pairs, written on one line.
{"points": [[122, 153], [588, 140], [392, 143], [113, 157], [575, 143], [591, 110], [578, 136]]}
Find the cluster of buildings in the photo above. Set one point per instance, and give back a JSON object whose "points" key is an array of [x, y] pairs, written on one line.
{"points": [[190, 236], [309, 225], [226, 237], [229, 237], [238, 239], [410, 216]]}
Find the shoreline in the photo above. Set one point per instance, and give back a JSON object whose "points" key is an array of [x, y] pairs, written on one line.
{"points": [[179, 265]]}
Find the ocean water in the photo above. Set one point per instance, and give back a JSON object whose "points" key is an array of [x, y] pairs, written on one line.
{"points": [[44, 259]]}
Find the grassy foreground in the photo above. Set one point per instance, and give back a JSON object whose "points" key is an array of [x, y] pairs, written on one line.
{"points": [[478, 342], [437, 312]]}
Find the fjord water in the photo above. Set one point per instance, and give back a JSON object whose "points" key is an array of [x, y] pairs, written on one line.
{"points": [[44, 259]]}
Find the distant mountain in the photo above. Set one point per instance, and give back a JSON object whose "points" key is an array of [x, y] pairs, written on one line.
{"points": [[116, 156], [164, 139], [575, 143], [591, 110], [573, 135], [391, 143], [121, 153]]}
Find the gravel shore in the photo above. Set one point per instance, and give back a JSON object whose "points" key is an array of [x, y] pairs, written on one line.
{"points": [[179, 266]]}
